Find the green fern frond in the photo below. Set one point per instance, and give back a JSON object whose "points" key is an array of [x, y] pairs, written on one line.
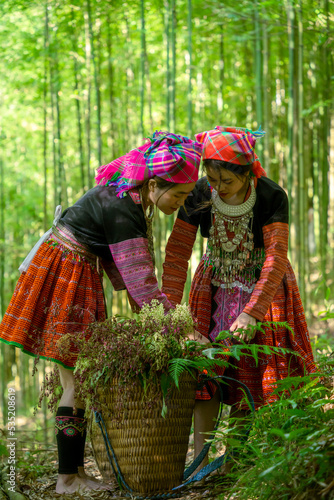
{"points": [[177, 367]]}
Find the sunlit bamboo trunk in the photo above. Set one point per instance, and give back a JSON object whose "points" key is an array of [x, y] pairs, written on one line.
{"points": [[142, 67], [220, 100], [62, 187], [2, 235], [88, 101], [266, 98], [324, 158], [128, 136], [78, 102], [173, 70], [290, 143], [258, 74], [190, 62], [96, 82], [301, 171], [3, 347], [56, 180], [45, 104], [168, 41]]}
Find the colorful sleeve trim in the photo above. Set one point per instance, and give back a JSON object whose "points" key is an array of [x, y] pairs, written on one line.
{"points": [[134, 263], [275, 237], [178, 252]]}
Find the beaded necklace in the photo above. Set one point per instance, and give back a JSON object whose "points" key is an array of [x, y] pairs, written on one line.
{"points": [[230, 255]]}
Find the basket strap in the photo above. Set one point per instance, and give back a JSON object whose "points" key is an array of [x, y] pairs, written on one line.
{"points": [[205, 471], [110, 451]]}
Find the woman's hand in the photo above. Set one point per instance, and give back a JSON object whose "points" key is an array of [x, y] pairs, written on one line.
{"points": [[198, 337], [242, 321]]}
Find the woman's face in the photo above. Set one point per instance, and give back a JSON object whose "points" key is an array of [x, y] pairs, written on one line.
{"points": [[230, 187], [171, 200]]}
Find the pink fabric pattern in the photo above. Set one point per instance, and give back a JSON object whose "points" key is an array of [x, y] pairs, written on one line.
{"points": [[169, 156], [134, 262], [230, 304]]}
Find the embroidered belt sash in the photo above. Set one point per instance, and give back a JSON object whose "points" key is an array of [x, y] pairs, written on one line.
{"points": [[64, 237]]}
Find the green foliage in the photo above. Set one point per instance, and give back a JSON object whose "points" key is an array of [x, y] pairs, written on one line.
{"points": [[3, 445], [38, 74], [290, 450], [328, 313]]}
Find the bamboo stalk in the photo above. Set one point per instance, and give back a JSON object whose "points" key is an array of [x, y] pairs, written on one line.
{"points": [[128, 88], [190, 103], [62, 191], [220, 100], [167, 36], [325, 152], [173, 72], [290, 144], [111, 87], [258, 73], [2, 232], [45, 91], [142, 67], [316, 188], [266, 95], [56, 180], [2, 284], [96, 83], [301, 171], [77, 102], [88, 102]]}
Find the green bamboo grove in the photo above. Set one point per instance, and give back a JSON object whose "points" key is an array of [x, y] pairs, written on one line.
{"points": [[83, 81]]}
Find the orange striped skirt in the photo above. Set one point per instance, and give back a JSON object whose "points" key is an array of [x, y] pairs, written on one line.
{"points": [[261, 379], [61, 292]]}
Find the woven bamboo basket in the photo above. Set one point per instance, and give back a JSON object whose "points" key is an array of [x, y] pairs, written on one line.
{"points": [[150, 450]]}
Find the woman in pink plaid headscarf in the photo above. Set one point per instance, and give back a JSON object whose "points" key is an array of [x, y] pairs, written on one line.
{"points": [[61, 282]]}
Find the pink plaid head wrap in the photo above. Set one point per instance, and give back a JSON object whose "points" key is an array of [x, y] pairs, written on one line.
{"points": [[172, 157], [232, 145]]}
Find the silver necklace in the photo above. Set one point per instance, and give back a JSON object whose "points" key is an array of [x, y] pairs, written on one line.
{"points": [[234, 210], [229, 256]]}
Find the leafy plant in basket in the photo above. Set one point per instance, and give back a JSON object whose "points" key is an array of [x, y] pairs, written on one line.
{"points": [[153, 349]]}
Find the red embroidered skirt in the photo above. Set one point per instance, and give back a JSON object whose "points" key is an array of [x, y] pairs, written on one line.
{"points": [[261, 379], [61, 292]]}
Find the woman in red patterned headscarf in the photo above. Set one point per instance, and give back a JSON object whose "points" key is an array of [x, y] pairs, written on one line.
{"points": [[60, 289], [245, 276]]}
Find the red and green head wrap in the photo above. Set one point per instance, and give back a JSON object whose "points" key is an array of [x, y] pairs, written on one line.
{"points": [[232, 145], [172, 157]]}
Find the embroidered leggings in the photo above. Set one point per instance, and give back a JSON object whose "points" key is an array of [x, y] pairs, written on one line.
{"points": [[71, 436]]}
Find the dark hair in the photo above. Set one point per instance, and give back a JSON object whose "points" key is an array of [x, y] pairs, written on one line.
{"points": [[237, 170], [163, 184]]}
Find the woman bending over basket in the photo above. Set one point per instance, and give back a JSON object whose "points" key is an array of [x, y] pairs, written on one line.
{"points": [[244, 277], [61, 291]]}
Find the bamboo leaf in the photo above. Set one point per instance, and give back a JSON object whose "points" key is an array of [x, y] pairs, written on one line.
{"points": [[271, 469]]}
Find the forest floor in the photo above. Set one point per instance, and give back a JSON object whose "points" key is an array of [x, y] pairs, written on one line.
{"points": [[37, 459], [37, 474]]}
